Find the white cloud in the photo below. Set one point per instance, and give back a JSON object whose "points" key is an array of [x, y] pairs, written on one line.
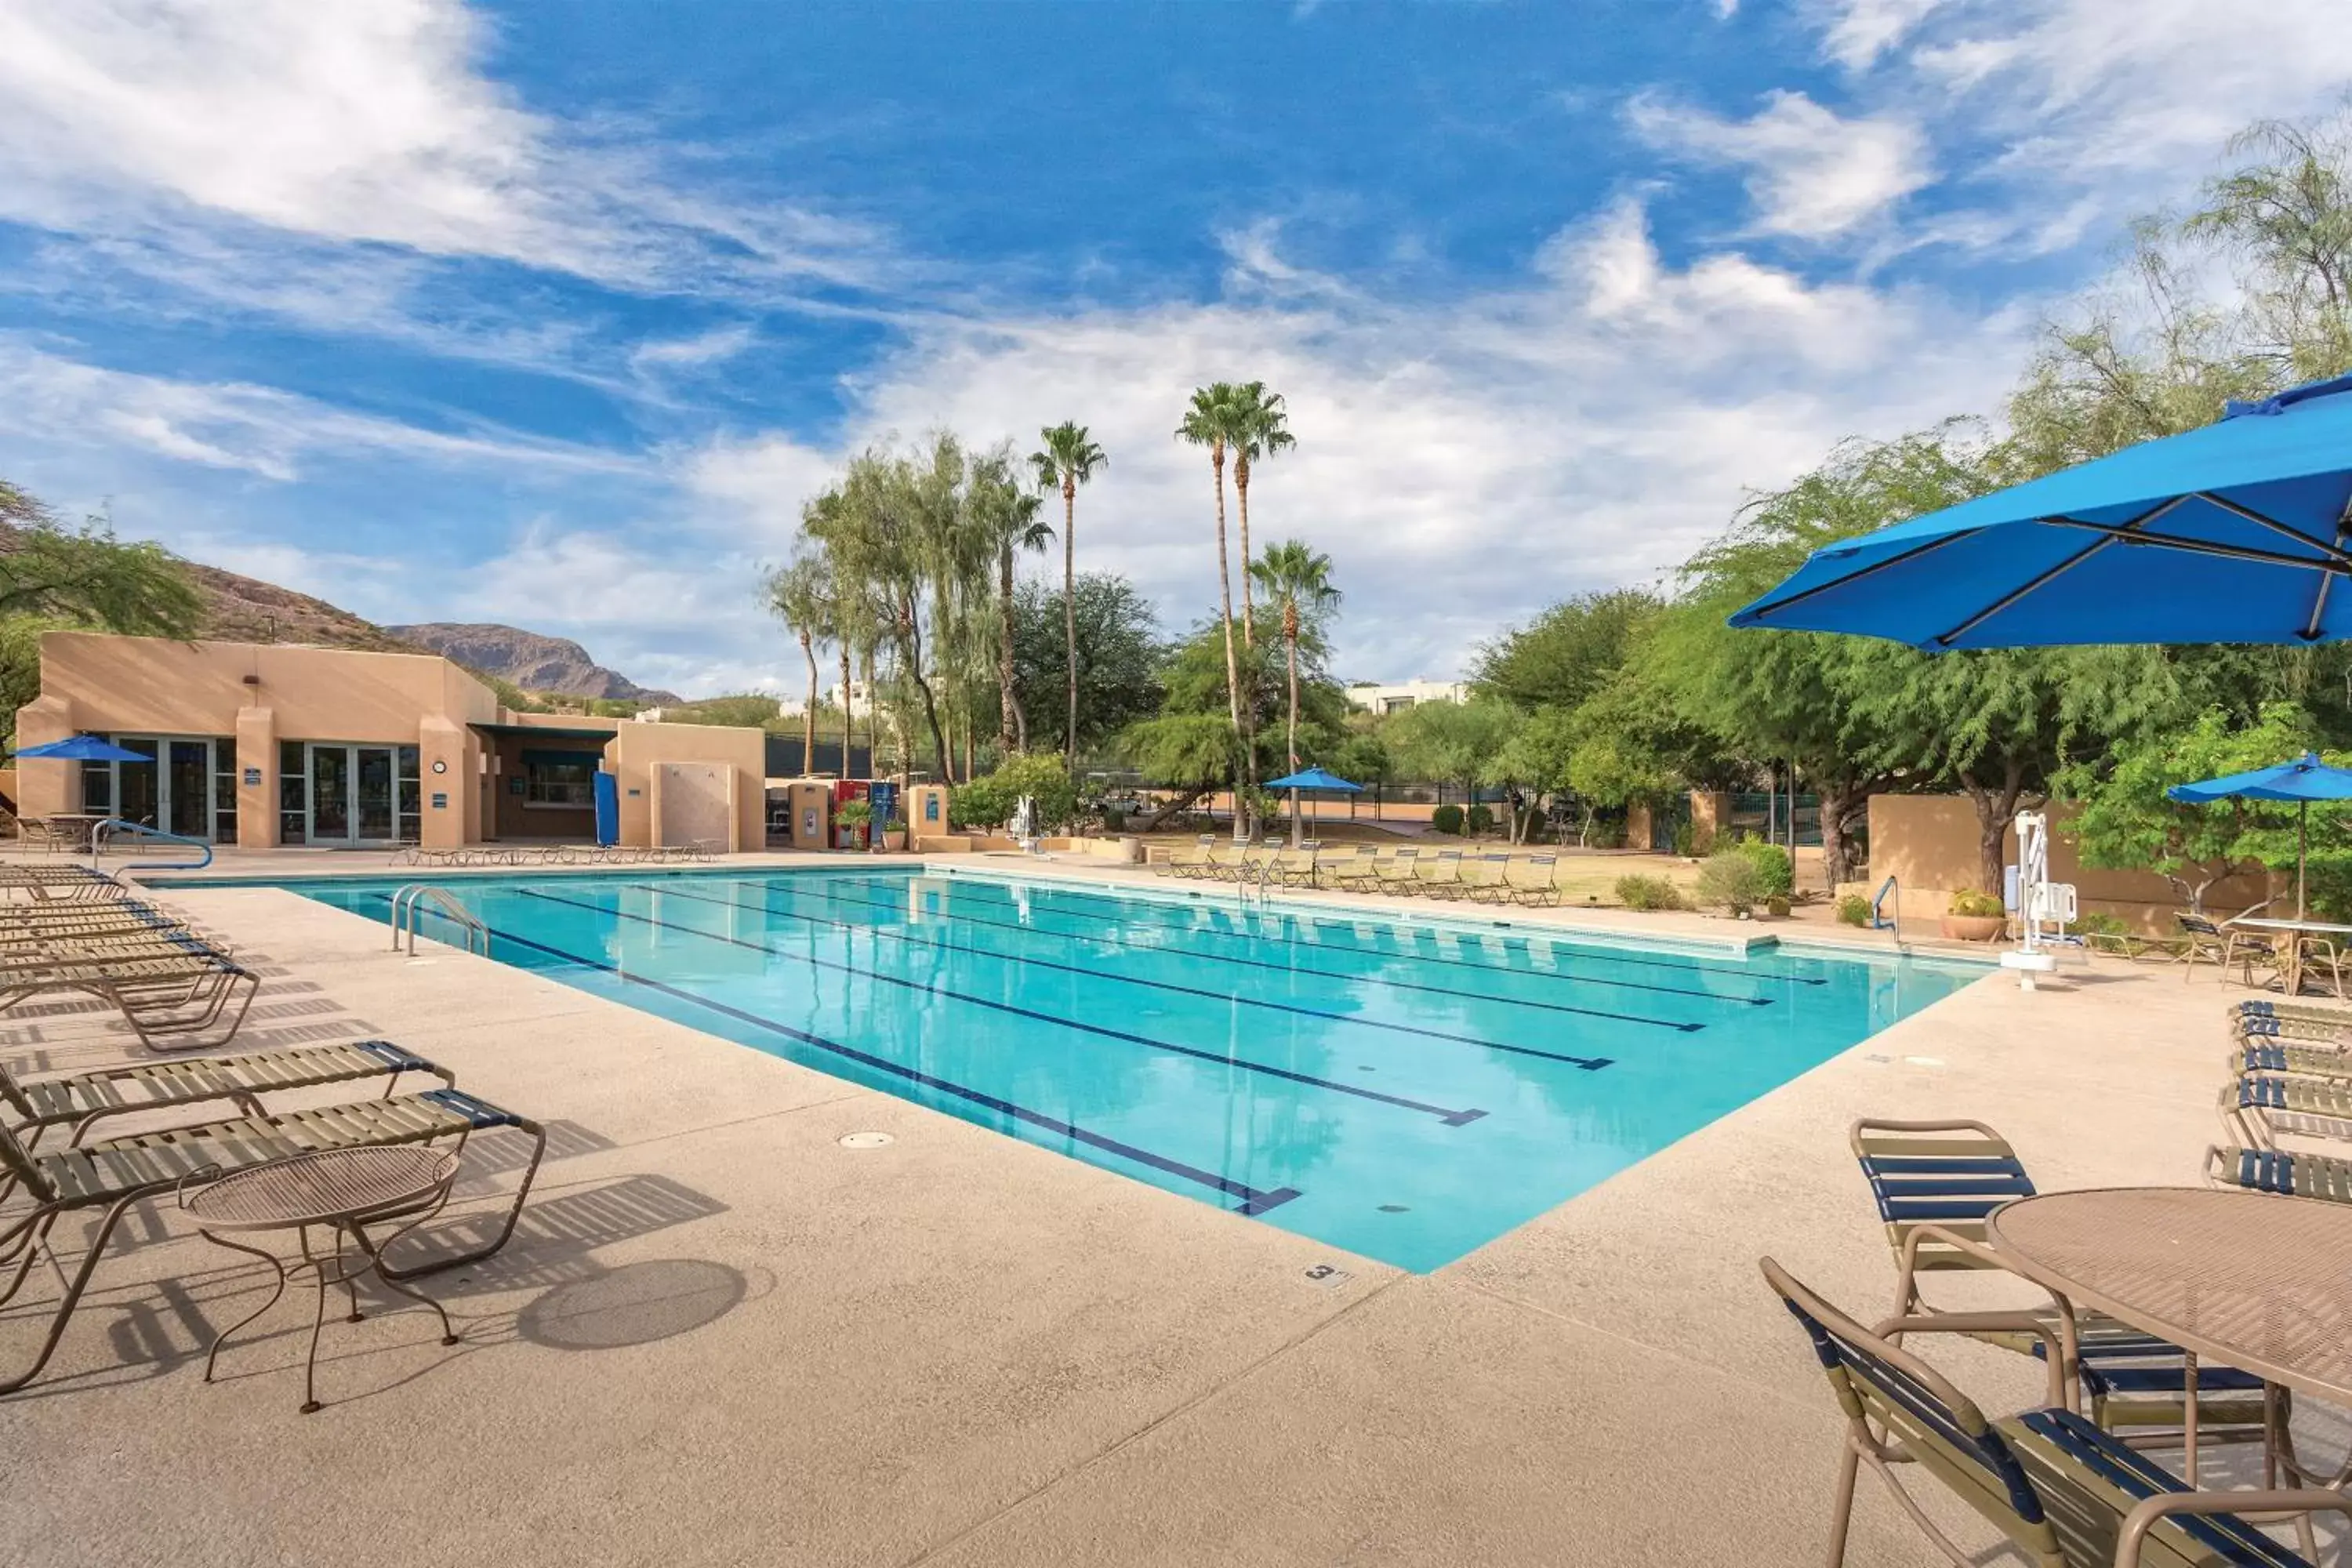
{"points": [[1854, 33], [1811, 174]]}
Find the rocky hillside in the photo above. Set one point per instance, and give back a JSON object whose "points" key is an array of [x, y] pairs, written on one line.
{"points": [[533, 662], [245, 609]]}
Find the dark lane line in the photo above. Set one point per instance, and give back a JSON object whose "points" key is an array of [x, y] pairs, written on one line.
{"points": [[1452, 1118], [1296, 968], [1588, 1063], [1523, 934], [1255, 1200]]}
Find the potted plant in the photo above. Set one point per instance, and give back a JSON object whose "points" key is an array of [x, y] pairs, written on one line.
{"points": [[894, 834], [1975, 917], [850, 821]]}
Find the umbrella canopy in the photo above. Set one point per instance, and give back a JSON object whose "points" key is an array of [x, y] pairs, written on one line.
{"points": [[82, 749], [1314, 778], [2302, 780], [2238, 532]]}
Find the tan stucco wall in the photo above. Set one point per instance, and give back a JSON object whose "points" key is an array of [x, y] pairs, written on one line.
{"points": [[1928, 843], [638, 749]]}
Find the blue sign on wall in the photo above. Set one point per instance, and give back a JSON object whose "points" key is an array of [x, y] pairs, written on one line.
{"points": [[884, 795]]}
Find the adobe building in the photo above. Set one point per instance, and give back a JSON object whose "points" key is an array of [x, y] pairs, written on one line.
{"points": [[264, 745]]}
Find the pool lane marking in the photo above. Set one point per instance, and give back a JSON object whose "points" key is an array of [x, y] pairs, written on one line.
{"points": [[1590, 1064], [1255, 1200], [1203, 906], [1450, 1117], [1296, 968]]}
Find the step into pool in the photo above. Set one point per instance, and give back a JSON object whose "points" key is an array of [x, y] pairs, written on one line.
{"points": [[1405, 1090]]}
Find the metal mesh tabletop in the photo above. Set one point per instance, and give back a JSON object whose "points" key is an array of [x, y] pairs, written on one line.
{"points": [[336, 1184], [2252, 1280]]}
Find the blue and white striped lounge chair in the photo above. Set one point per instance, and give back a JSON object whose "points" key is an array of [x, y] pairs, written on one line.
{"points": [[2290, 1174], [1934, 1182], [2064, 1492]]}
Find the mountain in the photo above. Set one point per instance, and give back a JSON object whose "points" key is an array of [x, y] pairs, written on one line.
{"points": [[245, 609], [533, 662]]}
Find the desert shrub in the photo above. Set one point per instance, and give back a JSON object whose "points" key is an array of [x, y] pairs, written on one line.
{"points": [[1731, 880], [1771, 861], [989, 801], [1970, 903], [1685, 839], [854, 813], [1639, 892], [1479, 819], [1446, 819], [1854, 910], [2097, 924]]}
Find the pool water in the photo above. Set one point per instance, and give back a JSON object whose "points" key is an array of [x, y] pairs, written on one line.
{"points": [[1406, 1090]]}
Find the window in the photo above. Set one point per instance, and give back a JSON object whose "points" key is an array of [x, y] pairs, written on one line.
{"points": [[293, 811], [408, 794], [98, 788], [562, 779], [225, 790]]}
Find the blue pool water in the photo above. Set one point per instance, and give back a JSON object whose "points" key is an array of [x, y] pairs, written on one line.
{"points": [[1404, 1091]]}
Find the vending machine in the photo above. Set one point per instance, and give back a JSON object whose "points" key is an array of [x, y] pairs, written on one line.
{"points": [[810, 802]]}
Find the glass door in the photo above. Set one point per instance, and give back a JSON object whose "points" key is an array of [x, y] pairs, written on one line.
{"points": [[371, 770], [138, 786], [188, 788], [331, 795]]}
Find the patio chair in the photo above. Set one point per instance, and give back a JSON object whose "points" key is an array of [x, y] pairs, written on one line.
{"points": [[1441, 875], [2289, 1174], [1400, 873], [2257, 1108], [1187, 868], [1539, 887], [1493, 884], [1933, 1183], [1295, 868], [114, 1175], [1340, 871], [2226, 949], [2322, 954], [1360, 873], [2066, 1493], [174, 997]]}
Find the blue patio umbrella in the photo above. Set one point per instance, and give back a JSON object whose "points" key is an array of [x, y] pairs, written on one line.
{"points": [[2238, 532], [2301, 781], [82, 749], [1309, 778]]}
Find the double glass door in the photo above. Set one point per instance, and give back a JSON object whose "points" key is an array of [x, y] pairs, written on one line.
{"points": [[353, 790], [183, 785]]}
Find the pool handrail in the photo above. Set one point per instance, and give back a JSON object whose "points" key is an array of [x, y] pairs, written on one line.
{"points": [[114, 825], [1878, 921]]}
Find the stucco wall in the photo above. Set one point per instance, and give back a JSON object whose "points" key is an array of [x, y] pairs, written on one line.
{"points": [[1928, 843], [638, 749]]}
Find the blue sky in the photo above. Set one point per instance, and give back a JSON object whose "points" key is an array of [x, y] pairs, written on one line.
{"points": [[554, 313]]}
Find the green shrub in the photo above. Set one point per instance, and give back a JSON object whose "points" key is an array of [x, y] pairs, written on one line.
{"points": [[1685, 839], [1771, 862], [2096, 924], [1854, 910], [1114, 819], [1730, 880], [854, 813], [1446, 819], [1970, 904], [1479, 819], [991, 800], [1639, 892]]}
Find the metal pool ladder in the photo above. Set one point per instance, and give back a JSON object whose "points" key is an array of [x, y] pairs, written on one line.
{"points": [[409, 902], [1262, 873]]}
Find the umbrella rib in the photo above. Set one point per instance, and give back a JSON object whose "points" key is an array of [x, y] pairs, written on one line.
{"points": [[1760, 611], [2334, 553], [2021, 590], [2311, 627], [2329, 564]]}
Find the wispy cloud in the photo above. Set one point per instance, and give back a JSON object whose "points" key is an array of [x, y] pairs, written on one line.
{"points": [[1811, 174]]}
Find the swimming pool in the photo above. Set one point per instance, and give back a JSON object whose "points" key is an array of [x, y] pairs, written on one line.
{"points": [[1405, 1090]]}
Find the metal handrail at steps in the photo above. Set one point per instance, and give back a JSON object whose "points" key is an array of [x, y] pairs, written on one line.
{"points": [[409, 901], [114, 826]]}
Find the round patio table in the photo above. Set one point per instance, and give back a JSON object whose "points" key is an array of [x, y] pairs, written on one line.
{"points": [[2250, 1280], [343, 1190]]}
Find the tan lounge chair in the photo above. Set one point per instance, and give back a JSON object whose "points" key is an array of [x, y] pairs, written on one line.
{"points": [[1400, 873], [1538, 887], [1441, 875]]}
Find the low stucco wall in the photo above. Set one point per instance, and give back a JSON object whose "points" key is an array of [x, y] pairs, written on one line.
{"points": [[1928, 843]]}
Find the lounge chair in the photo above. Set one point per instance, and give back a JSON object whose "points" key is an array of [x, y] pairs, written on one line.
{"points": [[179, 994], [2289, 1059], [2290, 1174], [1187, 868], [2257, 1108], [1493, 884], [115, 1174], [2067, 1494], [1295, 868], [1400, 873], [1441, 875], [82, 1100], [1540, 890], [1934, 1182], [61, 884], [1360, 873], [2260, 1015]]}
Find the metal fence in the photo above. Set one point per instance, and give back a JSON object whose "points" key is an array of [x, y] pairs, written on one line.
{"points": [[1760, 815]]}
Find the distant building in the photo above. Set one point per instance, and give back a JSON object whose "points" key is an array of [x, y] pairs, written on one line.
{"points": [[1375, 698]]}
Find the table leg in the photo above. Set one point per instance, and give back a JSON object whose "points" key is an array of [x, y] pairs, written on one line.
{"points": [[276, 1291], [373, 1253], [318, 1323], [2189, 1418]]}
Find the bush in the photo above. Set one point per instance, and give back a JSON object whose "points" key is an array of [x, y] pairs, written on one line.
{"points": [[1685, 839], [1446, 819], [1638, 892], [2097, 924], [1114, 819], [1479, 820], [989, 801], [1730, 879], [1773, 864], [1854, 910], [1970, 904], [854, 813]]}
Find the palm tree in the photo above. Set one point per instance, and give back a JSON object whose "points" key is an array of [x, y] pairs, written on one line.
{"points": [[802, 595], [1264, 430], [1214, 420], [1299, 580], [1066, 461], [1022, 529]]}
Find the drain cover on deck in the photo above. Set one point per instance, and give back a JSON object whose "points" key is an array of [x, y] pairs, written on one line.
{"points": [[866, 1140]]}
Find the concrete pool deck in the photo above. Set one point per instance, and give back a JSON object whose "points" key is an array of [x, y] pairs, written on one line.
{"points": [[720, 1336]]}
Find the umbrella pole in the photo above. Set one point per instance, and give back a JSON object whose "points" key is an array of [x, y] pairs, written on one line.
{"points": [[1295, 835], [2301, 821]]}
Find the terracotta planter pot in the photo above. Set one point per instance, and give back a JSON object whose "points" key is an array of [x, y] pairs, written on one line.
{"points": [[894, 842], [1974, 928]]}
